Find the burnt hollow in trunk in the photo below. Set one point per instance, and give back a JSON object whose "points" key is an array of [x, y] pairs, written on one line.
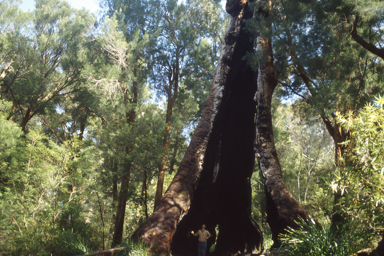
{"points": [[223, 193], [212, 184]]}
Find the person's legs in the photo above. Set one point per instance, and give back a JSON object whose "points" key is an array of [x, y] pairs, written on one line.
{"points": [[199, 248], [202, 247]]}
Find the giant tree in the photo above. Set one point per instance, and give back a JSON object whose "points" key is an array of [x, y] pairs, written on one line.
{"points": [[222, 145]]}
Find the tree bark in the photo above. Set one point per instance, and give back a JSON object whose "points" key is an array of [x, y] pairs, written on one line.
{"points": [[102, 218], [121, 205], [173, 87], [366, 45], [83, 122], [163, 165], [123, 195], [282, 209], [145, 194], [212, 184], [26, 118], [175, 149], [104, 252], [338, 135]]}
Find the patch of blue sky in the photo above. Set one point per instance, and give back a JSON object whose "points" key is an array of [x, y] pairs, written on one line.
{"points": [[223, 2], [91, 5]]}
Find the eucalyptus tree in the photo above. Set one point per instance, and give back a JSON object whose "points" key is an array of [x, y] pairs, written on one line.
{"points": [[212, 183], [117, 79], [42, 56], [317, 62], [281, 207], [184, 30], [137, 23]]}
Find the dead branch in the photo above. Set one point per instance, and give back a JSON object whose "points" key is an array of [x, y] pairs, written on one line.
{"points": [[109, 251]]}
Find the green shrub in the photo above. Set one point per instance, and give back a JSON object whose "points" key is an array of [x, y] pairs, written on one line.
{"points": [[314, 240], [69, 244], [132, 249]]}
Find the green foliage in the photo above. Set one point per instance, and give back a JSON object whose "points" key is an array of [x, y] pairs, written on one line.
{"points": [[71, 244], [66, 93], [43, 185], [132, 249], [361, 182], [306, 155], [314, 240], [42, 55]]}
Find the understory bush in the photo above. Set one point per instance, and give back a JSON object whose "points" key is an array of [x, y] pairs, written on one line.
{"points": [[132, 249], [315, 240]]}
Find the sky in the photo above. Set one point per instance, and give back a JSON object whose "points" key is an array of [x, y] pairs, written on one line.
{"points": [[91, 5]]}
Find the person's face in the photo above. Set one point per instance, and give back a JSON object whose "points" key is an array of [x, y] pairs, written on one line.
{"points": [[203, 226]]}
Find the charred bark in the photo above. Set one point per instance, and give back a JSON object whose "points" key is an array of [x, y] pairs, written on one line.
{"points": [[212, 184], [282, 209]]}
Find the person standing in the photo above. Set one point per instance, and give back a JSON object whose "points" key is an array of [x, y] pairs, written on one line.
{"points": [[203, 235]]}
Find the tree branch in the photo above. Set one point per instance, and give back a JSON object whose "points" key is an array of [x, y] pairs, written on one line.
{"points": [[109, 251], [368, 46]]}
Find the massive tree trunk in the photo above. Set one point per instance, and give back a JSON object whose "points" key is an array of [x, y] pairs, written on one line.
{"points": [[282, 209], [212, 185]]}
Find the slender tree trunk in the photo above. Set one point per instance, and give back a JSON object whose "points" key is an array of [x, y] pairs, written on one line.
{"points": [[337, 219], [282, 209], [115, 196], [307, 187], [25, 120], [145, 193], [163, 165], [298, 186], [173, 87], [175, 149], [114, 185], [123, 195], [121, 205], [102, 219], [83, 122], [339, 136]]}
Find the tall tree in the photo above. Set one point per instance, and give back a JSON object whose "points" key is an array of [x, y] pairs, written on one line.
{"points": [[318, 64], [282, 209], [43, 61], [220, 147], [182, 32], [124, 90], [136, 22]]}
